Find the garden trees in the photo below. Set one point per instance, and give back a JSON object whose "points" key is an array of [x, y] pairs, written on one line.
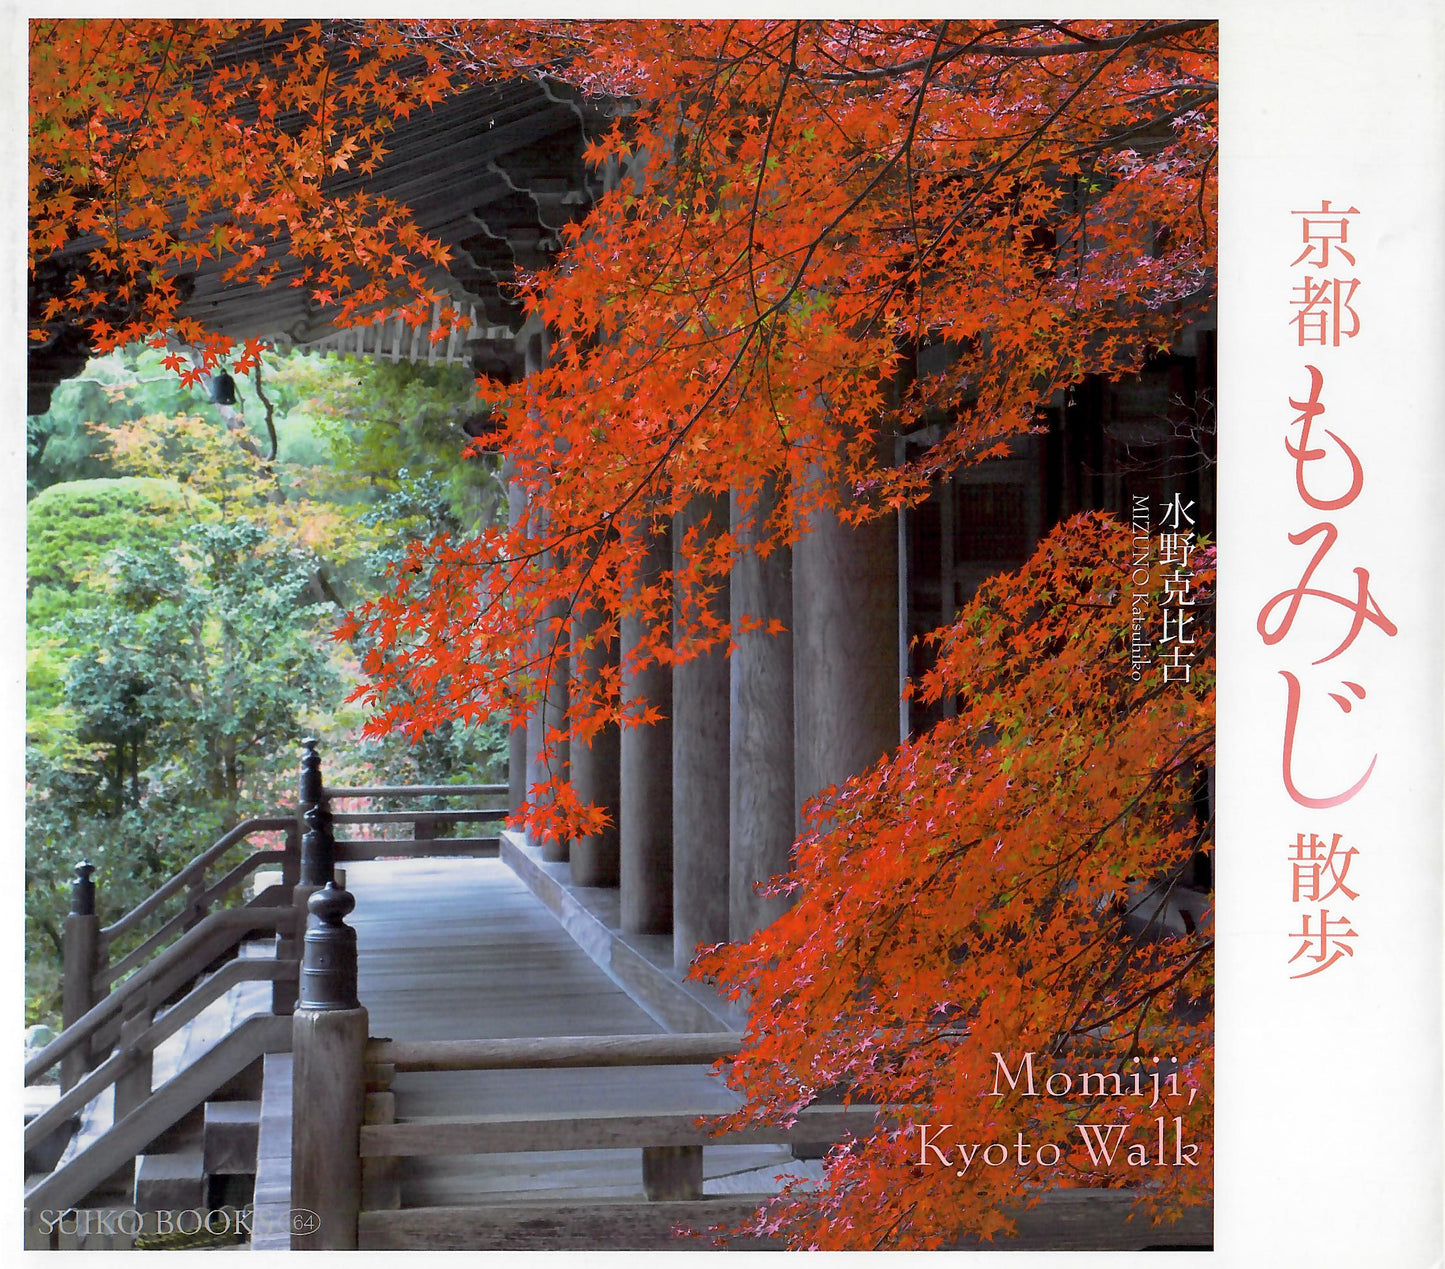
{"points": [[794, 212], [177, 635], [179, 662]]}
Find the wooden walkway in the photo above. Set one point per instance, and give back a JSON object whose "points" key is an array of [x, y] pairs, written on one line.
{"points": [[460, 948]]}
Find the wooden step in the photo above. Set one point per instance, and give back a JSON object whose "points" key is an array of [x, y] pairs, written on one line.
{"points": [[231, 1136], [45, 1154], [271, 1214], [174, 1181], [181, 1135]]}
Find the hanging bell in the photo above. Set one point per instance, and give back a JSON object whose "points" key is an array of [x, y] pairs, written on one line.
{"points": [[223, 389]]}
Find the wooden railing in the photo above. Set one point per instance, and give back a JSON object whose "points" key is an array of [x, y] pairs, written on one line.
{"points": [[345, 1159], [348, 1144], [171, 973], [144, 1045], [91, 972], [425, 822], [128, 1025], [192, 878], [671, 1145], [118, 1010]]}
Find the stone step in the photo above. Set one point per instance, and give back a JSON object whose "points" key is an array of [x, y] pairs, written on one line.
{"points": [[231, 1137]]}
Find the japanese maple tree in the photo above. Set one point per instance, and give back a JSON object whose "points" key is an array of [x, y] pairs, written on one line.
{"points": [[981, 912], [806, 204], [793, 210], [157, 146]]}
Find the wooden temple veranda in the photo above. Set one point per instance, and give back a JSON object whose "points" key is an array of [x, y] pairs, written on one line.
{"points": [[462, 1050], [458, 1038]]}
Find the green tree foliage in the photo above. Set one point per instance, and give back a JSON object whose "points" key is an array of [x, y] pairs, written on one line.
{"points": [[380, 419], [421, 509], [205, 652], [72, 528], [180, 608], [190, 670]]}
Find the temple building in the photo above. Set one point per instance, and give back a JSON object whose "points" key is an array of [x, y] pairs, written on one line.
{"points": [[705, 804]]}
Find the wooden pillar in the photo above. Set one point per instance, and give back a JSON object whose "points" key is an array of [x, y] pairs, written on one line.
{"points": [[517, 739], [554, 715], [81, 962], [535, 768], [545, 715], [645, 830], [133, 1086], [328, 1082], [699, 757], [596, 765], [761, 804], [546, 761], [845, 649], [549, 713], [516, 767]]}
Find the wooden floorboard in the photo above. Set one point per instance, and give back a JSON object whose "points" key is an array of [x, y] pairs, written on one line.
{"points": [[453, 949]]}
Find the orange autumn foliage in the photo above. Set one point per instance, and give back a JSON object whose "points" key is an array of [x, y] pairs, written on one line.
{"points": [[157, 146], [806, 205], [985, 892], [795, 210]]}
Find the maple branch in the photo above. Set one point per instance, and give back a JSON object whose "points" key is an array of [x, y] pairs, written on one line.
{"points": [[1145, 35], [774, 115], [270, 413], [1145, 997], [908, 156], [1114, 140], [130, 138], [1034, 138]]}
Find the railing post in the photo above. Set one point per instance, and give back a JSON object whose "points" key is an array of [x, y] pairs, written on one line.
{"points": [[288, 943], [318, 850], [81, 965], [310, 789], [328, 1082], [314, 864], [196, 905], [291, 856], [133, 1086], [670, 1173]]}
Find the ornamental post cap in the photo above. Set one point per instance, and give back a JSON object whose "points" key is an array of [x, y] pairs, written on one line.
{"points": [[82, 890], [331, 904]]}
